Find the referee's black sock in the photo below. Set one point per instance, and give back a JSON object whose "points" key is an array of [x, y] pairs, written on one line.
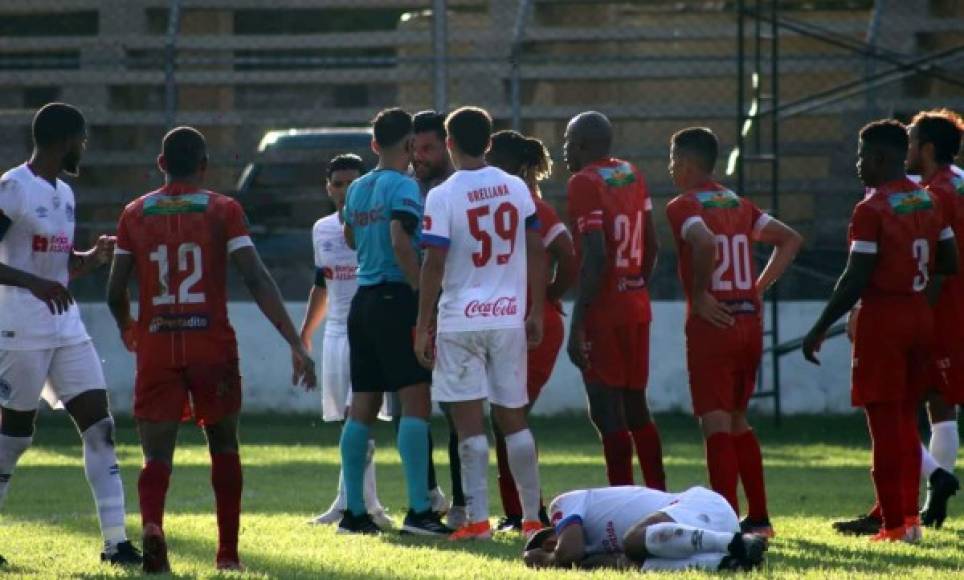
{"points": [[455, 470]]}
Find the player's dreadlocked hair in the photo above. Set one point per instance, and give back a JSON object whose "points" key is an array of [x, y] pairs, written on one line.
{"points": [[887, 134], [345, 161], [942, 128], [519, 155], [699, 143]]}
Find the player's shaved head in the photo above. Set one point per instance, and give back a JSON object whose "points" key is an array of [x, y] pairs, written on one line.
{"points": [[184, 151], [589, 137], [882, 152], [698, 144]]}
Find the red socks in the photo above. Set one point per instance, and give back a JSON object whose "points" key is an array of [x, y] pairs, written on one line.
{"points": [[152, 490], [226, 479], [507, 488], [910, 460], [649, 449], [618, 449], [884, 421], [721, 461], [750, 461]]}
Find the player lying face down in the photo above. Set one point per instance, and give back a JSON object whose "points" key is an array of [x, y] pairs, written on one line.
{"points": [[629, 527]]}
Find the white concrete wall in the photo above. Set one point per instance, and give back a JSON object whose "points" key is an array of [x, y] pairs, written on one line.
{"points": [[266, 367]]}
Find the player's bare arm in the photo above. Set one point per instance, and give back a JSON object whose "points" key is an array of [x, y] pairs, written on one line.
{"points": [[317, 308], [536, 269], [433, 270], [591, 271], [265, 292], [563, 255], [119, 300], [851, 284], [568, 550], [403, 248], [786, 244], [650, 246], [702, 246], [84, 263], [55, 295]]}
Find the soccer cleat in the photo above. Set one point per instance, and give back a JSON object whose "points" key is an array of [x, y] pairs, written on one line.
{"points": [[892, 535], [427, 523], [865, 525], [155, 551], [530, 527], [229, 566], [509, 524], [477, 531], [382, 519], [332, 516], [352, 524], [457, 517], [3, 561], [914, 534], [748, 549], [124, 554], [440, 504], [758, 527], [940, 487]]}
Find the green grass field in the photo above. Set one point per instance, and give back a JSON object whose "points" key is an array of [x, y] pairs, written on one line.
{"points": [[817, 470]]}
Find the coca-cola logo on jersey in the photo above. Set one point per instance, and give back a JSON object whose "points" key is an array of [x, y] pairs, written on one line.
{"points": [[504, 306]]}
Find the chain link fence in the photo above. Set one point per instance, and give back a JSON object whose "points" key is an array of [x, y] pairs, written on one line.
{"points": [[250, 73]]}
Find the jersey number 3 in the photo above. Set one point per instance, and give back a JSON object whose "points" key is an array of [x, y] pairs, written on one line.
{"points": [[184, 294], [505, 221]]}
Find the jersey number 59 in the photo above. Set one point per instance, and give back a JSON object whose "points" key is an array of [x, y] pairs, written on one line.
{"points": [[505, 222], [184, 293]]}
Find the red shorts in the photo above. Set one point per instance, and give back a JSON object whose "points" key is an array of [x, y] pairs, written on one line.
{"points": [[723, 363], [893, 350], [618, 355], [543, 359], [205, 392]]}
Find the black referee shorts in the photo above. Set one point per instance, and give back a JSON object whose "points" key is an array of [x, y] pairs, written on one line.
{"points": [[381, 326]]}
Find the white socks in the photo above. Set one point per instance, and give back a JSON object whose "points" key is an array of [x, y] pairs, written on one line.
{"points": [[524, 465], [944, 443], [474, 453], [103, 475], [928, 464], [372, 504], [710, 561], [672, 540], [11, 448]]}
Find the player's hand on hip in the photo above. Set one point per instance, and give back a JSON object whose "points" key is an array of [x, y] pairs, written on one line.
{"points": [[54, 294], [811, 346], [104, 249], [303, 369], [424, 349], [577, 348], [534, 328], [711, 310]]}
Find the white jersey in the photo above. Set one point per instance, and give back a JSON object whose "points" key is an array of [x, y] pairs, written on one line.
{"points": [[339, 265], [39, 242], [481, 216], [607, 513]]}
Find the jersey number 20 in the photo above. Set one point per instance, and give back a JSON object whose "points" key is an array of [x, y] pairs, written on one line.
{"points": [[505, 222], [184, 294], [733, 258]]}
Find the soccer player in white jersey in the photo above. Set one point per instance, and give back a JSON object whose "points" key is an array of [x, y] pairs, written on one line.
{"points": [[628, 526], [482, 244], [330, 299], [42, 337]]}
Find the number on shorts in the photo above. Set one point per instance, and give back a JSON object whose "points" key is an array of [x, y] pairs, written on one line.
{"points": [[733, 255], [922, 251], [194, 267], [505, 222]]}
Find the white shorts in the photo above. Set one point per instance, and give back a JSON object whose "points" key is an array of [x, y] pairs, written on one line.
{"points": [[336, 380], [57, 374], [704, 509], [481, 364]]}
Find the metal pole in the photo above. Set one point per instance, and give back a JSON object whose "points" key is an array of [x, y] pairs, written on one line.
{"points": [[740, 119], [440, 52], [775, 194], [170, 63], [522, 18]]}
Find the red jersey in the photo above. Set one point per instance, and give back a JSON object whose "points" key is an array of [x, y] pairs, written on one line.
{"points": [[611, 196], [901, 223], [180, 240], [948, 186], [550, 228], [736, 224]]}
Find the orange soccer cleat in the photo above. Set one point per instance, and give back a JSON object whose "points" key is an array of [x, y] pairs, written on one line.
{"points": [[530, 527], [891, 535], [475, 531]]}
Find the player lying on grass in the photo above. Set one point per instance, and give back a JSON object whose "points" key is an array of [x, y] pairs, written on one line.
{"points": [[629, 526]]}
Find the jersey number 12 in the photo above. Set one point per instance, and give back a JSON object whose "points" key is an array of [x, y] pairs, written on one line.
{"points": [[184, 294]]}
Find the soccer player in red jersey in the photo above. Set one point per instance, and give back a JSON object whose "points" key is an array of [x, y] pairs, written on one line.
{"points": [[899, 238], [611, 214], [179, 239], [713, 229], [527, 158]]}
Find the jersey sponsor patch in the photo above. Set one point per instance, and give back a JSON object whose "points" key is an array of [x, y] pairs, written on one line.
{"points": [[178, 323], [910, 202], [172, 205], [619, 176], [722, 199]]}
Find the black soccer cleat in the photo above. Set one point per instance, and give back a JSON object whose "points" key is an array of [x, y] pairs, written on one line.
{"points": [[155, 551], [748, 550], [363, 524], [427, 523], [941, 486], [3, 561], [761, 527], [125, 554], [865, 525], [509, 524]]}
